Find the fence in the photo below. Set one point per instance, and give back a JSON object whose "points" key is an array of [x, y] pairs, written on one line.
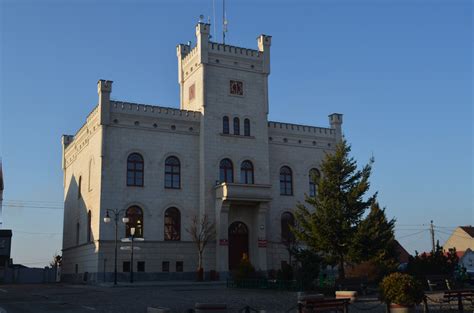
{"points": [[27, 275]]}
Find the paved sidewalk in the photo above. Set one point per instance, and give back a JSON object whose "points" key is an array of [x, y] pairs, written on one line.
{"points": [[170, 283]]}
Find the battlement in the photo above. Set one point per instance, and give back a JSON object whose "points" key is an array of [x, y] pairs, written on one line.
{"points": [[297, 129], [189, 55], [155, 111], [220, 48]]}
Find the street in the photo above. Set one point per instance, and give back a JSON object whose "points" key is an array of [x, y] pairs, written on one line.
{"points": [[79, 298]]}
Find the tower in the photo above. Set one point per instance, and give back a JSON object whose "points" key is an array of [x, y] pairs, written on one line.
{"points": [[229, 86]]}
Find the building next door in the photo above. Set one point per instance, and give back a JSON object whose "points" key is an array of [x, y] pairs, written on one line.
{"points": [[238, 243]]}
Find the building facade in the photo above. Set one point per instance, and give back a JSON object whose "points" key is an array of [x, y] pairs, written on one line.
{"points": [[218, 155]]}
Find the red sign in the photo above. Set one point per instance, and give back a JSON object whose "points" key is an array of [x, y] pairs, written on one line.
{"points": [[223, 242], [262, 243]]}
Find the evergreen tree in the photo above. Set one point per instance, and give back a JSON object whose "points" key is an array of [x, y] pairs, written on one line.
{"points": [[375, 241], [337, 209]]}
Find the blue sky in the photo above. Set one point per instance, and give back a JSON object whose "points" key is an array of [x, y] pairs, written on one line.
{"points": [[399, 71]]}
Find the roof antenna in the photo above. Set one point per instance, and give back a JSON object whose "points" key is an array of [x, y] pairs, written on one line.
{"points": [[224, 22], [214, 17]]}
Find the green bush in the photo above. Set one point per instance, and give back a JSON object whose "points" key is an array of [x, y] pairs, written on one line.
{"points": [[401, 289], [286, 272], [245, 270]]}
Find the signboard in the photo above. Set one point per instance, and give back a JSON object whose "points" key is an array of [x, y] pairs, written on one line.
{"points": [[129, 248], [262, 243], [223, 242]]}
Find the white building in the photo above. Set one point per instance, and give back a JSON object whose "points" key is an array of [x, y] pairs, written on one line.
{"points": [[216, 155]]}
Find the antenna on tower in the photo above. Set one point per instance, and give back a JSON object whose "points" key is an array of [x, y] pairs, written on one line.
{"points": [[224, 22], [201, 18], [214, 17]]}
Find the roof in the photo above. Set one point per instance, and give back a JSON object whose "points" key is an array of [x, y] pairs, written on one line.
{"points": [[469, 230], [403, 255]]}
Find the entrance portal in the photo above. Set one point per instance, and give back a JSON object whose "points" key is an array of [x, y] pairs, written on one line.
{"points": [[238, 243]]}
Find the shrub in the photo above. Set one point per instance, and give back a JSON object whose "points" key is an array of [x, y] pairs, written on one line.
{"points": [[401, 289], [245, 270], [286, 272]]}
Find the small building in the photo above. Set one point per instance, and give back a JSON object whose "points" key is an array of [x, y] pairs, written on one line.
{"points": [[466, 260], [462, 239]]}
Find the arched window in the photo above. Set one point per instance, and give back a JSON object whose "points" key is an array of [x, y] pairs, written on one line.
{"points": [[286, 181], [135, 220], [246, 127], [226, 171], [172, 173], [78, 230], [135, 167], [91, 173], [172, 224], [79, 188], [314, 177], [287, 221], [236, 126], [225, 125], [246, 172], [89, 226]]}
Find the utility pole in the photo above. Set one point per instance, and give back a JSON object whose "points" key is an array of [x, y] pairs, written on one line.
{"points": [[432, 236]]}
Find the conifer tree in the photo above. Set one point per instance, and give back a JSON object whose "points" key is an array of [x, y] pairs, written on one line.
{"points": [[331, 225], [375, 241]]}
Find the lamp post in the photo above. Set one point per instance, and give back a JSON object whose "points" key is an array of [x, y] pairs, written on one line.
{"points": [[107, 220], [132, 235]]}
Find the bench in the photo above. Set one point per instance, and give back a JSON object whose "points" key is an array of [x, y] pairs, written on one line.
{"points": [[438, 282], [459, 296], [210, 308], [354, 283], [323, 305]]}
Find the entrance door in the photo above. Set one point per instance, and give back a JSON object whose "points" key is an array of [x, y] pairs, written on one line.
{"points": [[238, 243]]}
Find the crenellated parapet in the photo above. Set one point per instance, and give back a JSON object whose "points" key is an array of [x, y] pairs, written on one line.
{"points": [[154, 111], [297, 129], [74, 144], [295, 134]]}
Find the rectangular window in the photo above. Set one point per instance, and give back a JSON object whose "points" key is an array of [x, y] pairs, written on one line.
{"points": [[192, 92], [179, 266], [236, 88], [76, 268], [165, 266], [141, 266], [126, 267]]}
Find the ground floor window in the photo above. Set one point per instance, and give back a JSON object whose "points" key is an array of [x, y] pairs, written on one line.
{"points": [[141, 266], [126, 267], [165, 266], [179, 266]]}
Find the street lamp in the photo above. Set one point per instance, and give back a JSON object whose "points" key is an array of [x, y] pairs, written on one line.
{"points": [[132, 235], [107, 220]]}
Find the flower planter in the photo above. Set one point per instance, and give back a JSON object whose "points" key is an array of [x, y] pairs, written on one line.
{"points": [[345, 294], [397, 308]]}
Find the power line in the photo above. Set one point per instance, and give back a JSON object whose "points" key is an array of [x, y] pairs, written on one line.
{"points": [[32, 206], [409, 235], [35, 233]]}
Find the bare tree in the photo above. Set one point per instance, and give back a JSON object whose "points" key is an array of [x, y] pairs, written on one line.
{"points": [[202, 230], [57, 260]]}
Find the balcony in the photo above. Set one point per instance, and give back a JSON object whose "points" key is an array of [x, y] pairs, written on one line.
{"points": [[243, 192]]}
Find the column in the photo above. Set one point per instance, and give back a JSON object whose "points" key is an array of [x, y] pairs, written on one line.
{"points": [[222, 240], [262, 236]]}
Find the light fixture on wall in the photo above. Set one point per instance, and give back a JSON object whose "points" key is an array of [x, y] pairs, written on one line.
{"points": [[262, 227]]}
